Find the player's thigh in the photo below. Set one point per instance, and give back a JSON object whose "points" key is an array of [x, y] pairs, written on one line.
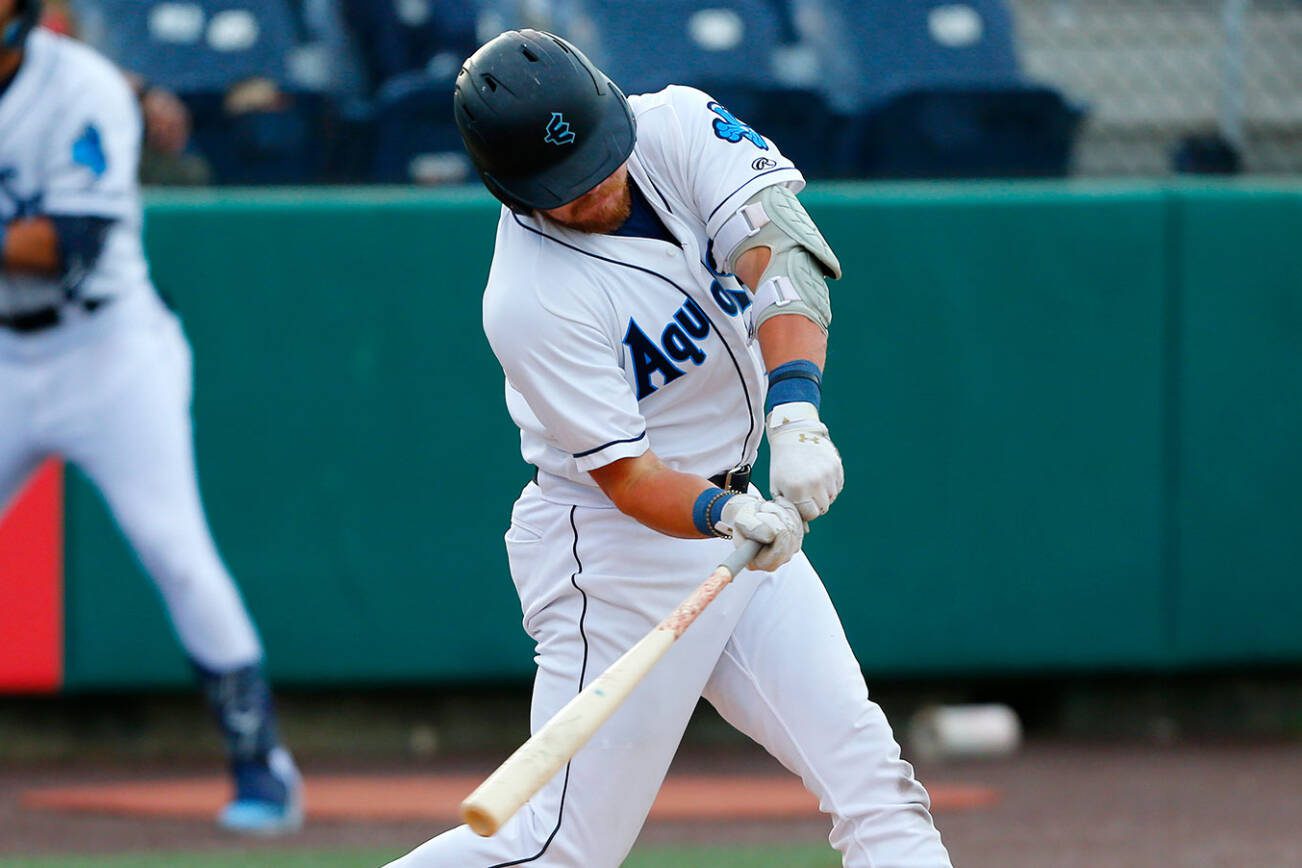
{"points": [[590, 813], [789, 679], [132, 434]]}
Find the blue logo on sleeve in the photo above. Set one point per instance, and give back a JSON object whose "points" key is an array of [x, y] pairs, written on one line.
{"points": [[88, 151], [558, 130], [731, 128]]}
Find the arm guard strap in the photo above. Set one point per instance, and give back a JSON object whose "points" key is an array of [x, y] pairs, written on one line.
{"points": [[800, 259]]}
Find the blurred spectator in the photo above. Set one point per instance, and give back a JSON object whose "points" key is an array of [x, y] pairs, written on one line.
{"points": [[56, 17], [229, 62], [165, 158]]}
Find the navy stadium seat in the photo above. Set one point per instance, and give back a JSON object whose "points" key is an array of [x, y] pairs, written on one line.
{"points": [[646, 44], [933, 88], [395, 37], [200, 46], [412, 50], [727, 48], [893, 46], [1016, 132]]}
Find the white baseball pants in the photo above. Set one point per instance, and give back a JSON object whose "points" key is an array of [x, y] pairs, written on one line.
{"points": [[769, 654], [110, 393]]}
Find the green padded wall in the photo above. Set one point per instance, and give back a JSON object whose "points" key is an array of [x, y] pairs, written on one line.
{"points": [[1069, 415], [994, 387], [1240, 440], [355, 454]]}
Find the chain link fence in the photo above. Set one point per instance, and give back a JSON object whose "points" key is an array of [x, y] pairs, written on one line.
{"points": [[1165, 79]]}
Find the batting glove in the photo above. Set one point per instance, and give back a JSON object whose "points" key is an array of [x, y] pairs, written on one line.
{"points": [[804, 466], [774, 523]]}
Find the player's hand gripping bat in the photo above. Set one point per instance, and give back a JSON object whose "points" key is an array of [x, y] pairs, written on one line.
{"points": [[526, 771]]}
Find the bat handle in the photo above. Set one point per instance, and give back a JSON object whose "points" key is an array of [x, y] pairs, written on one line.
{"points": [[741, 556]]}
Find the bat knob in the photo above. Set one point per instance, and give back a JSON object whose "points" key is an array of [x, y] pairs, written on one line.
{"points": [[479, 819]]}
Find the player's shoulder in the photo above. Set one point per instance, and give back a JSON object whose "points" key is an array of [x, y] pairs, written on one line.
{"points": [[534, 281], [677, 104], [79, 68]]}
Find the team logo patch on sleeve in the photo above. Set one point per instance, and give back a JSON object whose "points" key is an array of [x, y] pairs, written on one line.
{"points": [[558, 130], [88, 151], [731, 128]]}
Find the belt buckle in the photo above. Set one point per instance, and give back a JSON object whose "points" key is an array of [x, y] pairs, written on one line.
{"points": [[743, 470]]}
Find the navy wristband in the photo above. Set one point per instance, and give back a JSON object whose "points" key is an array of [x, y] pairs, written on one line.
{"points": [[800, 380], [708, 509]]}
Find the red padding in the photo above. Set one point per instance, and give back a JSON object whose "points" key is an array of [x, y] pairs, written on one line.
{"points": [[31, 586]]}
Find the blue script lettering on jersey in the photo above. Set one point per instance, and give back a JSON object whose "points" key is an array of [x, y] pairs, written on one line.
{"points": [[678, 343], [23, 206], [730, 301]]}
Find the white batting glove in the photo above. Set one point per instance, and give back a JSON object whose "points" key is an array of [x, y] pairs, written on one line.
{"points": [[774, 523], [804, 466]]}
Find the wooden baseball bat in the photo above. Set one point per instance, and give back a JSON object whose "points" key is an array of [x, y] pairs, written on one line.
{"points": [[535, 762]]}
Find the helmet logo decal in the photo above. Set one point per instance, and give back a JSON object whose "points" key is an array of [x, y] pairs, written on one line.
{"points": [[731, 128], [558, 130]]}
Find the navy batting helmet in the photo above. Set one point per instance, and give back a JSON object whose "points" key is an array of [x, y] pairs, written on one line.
{"points": [[15, 32], [542, 125]]}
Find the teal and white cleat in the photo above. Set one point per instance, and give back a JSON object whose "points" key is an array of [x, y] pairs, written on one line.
{"points": [[268, 798]]}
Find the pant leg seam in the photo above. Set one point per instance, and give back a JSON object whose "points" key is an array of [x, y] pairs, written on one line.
{"points": [[746, 670], [583, 674]]}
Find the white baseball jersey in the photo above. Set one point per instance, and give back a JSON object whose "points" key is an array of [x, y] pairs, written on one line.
{"points": [[612, 345], [70, 146]]}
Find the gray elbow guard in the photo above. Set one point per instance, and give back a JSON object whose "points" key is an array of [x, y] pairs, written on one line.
{"points": [[800, 258]]}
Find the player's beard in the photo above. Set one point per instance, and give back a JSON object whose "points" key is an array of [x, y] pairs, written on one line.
{"points": [[603, 216]]}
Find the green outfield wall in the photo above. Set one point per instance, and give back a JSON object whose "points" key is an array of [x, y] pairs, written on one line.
{"points": [[1071, 418]]}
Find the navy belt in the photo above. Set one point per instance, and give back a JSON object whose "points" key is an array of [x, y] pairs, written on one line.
{"points": [[737, 479], [47, 317]]}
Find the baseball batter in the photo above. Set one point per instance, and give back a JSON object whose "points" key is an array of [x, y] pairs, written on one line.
{"points": [[95, 369], [642, 371]]}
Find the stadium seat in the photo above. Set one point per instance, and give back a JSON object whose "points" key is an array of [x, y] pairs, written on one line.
{"points": [[1014, 132], [200, 46], [902, 45], [416, 138], [728, 48], [412, 50], [933, 88]]}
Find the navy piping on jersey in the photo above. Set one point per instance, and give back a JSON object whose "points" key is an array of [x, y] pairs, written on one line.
{"points": [[652, 182], [741, 378], [725, 199], [588, 452], [583, 674]]}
